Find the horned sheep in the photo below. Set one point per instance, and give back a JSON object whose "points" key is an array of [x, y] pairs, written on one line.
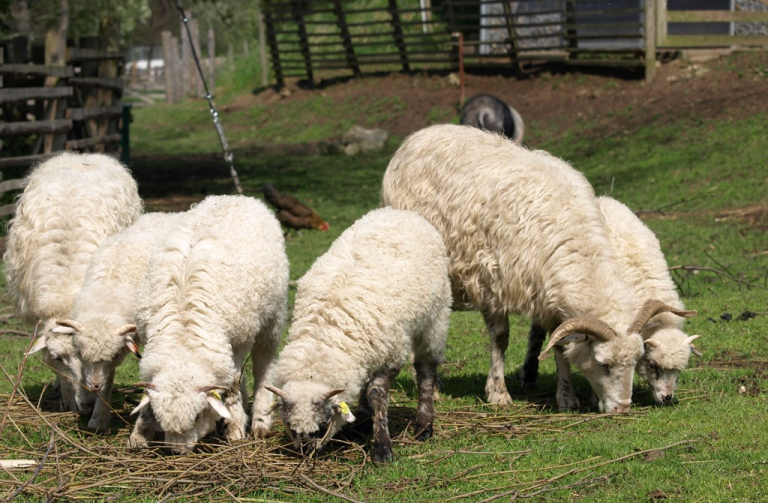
{"points": [[215, 293], [380, 292], [102, 323], [667, 346], [525, 234], [71, 203]]}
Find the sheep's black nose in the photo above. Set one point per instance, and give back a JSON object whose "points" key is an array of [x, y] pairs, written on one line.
{"points": [[666, 398], [96, 387]]}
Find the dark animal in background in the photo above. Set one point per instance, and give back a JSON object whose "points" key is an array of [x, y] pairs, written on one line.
{"points": [[291, 212], [492, 114]]}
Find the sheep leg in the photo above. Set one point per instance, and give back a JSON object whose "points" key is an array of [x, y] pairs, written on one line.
{"points": [[530, 370], [495, 387], [144, 429], [261, 411], [102, 411], [234, 429], [426, 379], [377, 398], [566, 398]]}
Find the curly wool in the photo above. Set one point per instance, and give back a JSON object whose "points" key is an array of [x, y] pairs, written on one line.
{"points": [[379, 292], [216, 286], [70, 204], [518, 232]]}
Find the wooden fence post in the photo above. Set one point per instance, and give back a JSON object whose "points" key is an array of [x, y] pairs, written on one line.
{"points": [[195, 77], [513, 54], [298, 17], [272, 40], [169, 69], [262, 47], [341, 21], [650, 40], [397, 29], [211, 61], [186, 57]]}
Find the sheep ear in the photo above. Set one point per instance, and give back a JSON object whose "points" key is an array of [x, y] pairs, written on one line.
{"points": [[128, 331], [652, 343], [68, 327], [144, 402], [694, 349], [215, 402], [38, 345], [342, 409]]}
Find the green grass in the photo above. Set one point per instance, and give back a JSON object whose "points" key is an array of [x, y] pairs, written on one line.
{"points": [[715, 166]]}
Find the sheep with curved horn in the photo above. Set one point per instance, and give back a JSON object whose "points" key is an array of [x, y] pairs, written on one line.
{"points": [[667, 348], [524, 235]]}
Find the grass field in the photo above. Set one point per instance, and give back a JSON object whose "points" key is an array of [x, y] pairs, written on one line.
{"points": [[706, 178]]}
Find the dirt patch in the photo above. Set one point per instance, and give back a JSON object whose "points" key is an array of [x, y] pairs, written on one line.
{"points": [[558, 98], [756, 216]]}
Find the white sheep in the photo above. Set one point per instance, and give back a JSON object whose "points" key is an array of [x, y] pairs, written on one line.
{"points": [[102, 323], [71, 203], [525, 235], [667, 346], [215, 293], [380, 292]]}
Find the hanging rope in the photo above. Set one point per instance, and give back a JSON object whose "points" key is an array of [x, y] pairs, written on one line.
{"points": [[209, 97]]}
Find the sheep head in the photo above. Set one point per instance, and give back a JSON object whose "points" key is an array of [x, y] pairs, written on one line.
{"points": [[667, 351], [312, 414], [100, 341], [186, 413], [61, 355], [605, 358], [667, 348]]}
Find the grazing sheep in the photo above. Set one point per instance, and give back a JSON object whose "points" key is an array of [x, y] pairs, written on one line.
{"points": [[525, 235], [380, 292], [71, 203], [215, 293], [102, 323], [492, 114], [667, 347]]}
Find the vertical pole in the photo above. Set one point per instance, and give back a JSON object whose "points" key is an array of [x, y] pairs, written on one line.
{"points": [[452, 28], [661, 23], [168, 70], [272, 39], [571, 33], [178, 71], [195, 77], [125, 150], [397, 29], [513, 54], [341, 21], [650, 40], [246, 51], [211, 61], [187, 65], [298, 18], [231, 57], [262, 47]]}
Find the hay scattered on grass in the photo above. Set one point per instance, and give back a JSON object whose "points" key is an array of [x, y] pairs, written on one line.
{"points": [[73, 463]]}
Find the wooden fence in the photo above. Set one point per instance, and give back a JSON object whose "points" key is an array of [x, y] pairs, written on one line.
{"points": [[332, 36], [46, 109]]}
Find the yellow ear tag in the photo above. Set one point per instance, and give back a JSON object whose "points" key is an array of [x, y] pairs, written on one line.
{"points": [[215, 394], [344, 408]]}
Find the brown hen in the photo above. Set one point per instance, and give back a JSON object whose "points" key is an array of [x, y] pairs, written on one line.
{"points": [[291, 212]]}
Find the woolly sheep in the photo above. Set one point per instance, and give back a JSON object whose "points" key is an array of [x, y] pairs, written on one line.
{"points": [[71, 203], [525, 235], [492, 114], [380, 292], [215, 293], [667, 347], [102, 323]]}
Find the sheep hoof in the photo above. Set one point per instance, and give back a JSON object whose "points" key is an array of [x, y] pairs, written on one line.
{"points": [[382, 453], [566, 403], [99, 424], [424, 433], [499, 398], [259, 429]]}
